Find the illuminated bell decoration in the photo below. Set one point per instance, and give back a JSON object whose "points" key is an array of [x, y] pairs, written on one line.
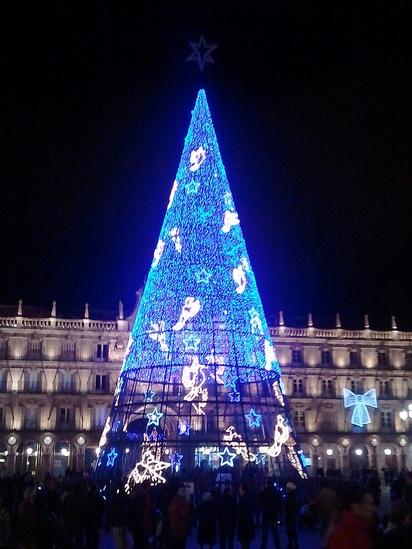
{"points": [[200, 346], [360, 414]]}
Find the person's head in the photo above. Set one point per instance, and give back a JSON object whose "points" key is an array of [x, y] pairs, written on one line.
{"points": [[207, 496], [360, 502], [182, 491], [291, 487], [242, 489]]}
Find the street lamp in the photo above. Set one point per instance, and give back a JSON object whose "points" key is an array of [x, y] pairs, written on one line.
{"points": [[406, 414]]}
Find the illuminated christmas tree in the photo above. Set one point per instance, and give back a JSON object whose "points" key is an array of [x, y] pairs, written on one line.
{"points": [[200, 384]]}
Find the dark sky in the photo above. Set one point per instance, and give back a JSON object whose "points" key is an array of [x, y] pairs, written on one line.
{"points": [[312, 108]]}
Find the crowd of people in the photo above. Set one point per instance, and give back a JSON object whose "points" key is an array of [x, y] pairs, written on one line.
{"points": [[72, 511]]}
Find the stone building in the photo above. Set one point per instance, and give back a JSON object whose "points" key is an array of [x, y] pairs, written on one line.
{"points": [[57, 377]]}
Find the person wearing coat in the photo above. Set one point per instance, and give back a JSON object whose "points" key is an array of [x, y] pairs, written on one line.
{"points": [[207, 518], [246, 526]]}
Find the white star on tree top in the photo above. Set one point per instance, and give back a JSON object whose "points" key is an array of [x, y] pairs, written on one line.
{"points": [[201, 53]]}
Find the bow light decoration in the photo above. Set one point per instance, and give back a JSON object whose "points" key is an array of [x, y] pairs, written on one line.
{"points": [[360, 414]]}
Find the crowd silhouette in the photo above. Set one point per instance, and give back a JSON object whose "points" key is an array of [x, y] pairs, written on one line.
{"points": [[73, 511]]}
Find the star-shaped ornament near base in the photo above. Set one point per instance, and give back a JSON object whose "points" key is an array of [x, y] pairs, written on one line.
{"points": [[226, 457], [111, 457], [154, 417], [149, 395], [235, 396], [201, 53]]}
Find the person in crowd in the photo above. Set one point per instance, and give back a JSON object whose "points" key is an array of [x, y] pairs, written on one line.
{"points": [[207, 517], [291, 515], [5, 523], [354, 525], [407, 492], [246, 527], [27, 521], [93, 516], [117, 516], [327, 506], [227, 513], [179, 520], [270, 504]]}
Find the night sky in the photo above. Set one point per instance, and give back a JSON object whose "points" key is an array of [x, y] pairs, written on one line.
{"points": [[312, 109]]}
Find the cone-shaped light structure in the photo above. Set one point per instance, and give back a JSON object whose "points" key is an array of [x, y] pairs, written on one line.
{"points": [[200, 380]]}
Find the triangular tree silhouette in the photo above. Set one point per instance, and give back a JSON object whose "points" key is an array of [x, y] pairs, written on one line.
{"points": [[200, 384]]}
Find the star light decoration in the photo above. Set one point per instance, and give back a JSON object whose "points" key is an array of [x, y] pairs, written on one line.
{"points": [[253, 418], [192, 187], [191, 343], [360, 414], [203, 276], [234, 396], [175, 459], [226, 457], [111, 457], [148, 468], [154, 417], [201, 53], [149, 395]]}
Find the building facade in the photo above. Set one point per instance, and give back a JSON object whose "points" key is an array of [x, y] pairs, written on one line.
{"points": [[57, 378]]}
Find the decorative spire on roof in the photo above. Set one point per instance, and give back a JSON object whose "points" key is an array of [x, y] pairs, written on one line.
{"points": [[310, 320], [393, 323], [20, 308], [121, 313], [53, 311], [281, 319], [338, 322], [366, 322], [86, 310]]}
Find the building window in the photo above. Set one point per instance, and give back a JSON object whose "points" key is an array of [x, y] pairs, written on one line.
{"points": [[30, 418], [67, 382], [299, 418], [382, 359], [69, 351], [408, 361], [34, 349], [296, 356], [354, 358], [298, 387], [102, 351], [356, 386], [3, 349], [386, 419], [3, 382], [385, 389], [325, 358], [328, 388], [33, 382], [99, 416], [64, 418], [102, 383]]}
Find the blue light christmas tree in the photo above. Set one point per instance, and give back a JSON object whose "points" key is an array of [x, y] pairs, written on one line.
{"points": [[200, 378]]}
